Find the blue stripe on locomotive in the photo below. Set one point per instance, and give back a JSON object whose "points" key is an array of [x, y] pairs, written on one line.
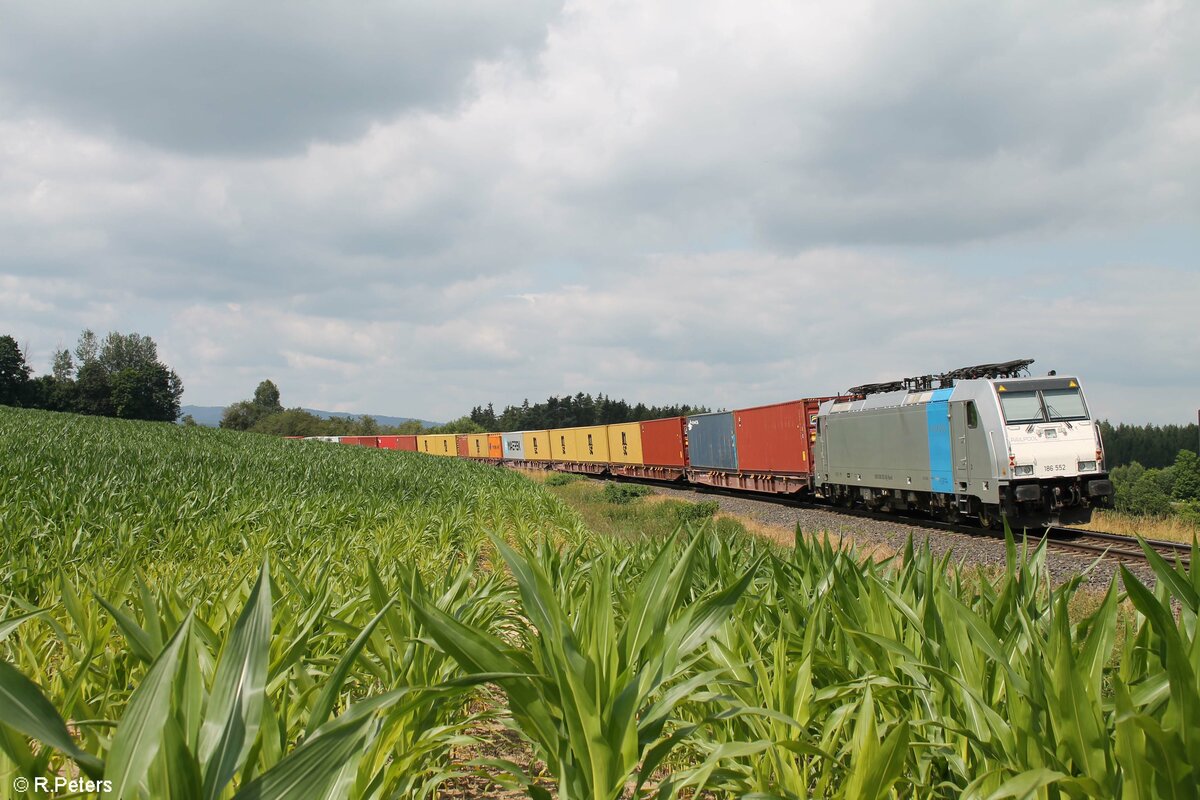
{"points": [[941, 468]]}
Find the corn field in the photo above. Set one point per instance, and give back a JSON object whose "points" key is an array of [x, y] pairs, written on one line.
{"points": [[188, 613]]}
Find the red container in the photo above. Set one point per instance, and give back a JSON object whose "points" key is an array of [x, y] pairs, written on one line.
{"points": [[777, 439], [464, 449], [408, 443], [361, 441], [663, 442]]}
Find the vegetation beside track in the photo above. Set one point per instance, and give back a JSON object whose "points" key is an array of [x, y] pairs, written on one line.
{"points": [[202, 613]]}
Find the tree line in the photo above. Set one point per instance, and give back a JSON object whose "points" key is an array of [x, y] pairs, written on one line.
{"points": [[1152, 446], [572, 412], [117, 376], [264, 413]]}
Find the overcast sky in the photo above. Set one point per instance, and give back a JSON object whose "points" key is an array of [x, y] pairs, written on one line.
{"points": [[413, 208]]}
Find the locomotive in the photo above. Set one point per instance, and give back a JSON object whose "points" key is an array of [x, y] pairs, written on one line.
{"points": [[979, 442], [986, 442]]}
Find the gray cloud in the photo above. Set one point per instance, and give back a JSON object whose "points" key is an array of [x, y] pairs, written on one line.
{"points": [[704, 201], [258, 78]]}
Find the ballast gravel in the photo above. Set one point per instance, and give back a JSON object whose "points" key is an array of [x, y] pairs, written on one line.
{"points": [[870, 534]]}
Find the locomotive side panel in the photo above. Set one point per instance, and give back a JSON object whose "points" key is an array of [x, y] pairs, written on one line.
{"points": [[884, 447]]}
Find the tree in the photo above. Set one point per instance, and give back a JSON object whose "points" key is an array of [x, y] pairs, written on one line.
{"points": [[64, 366], [127, 351], [245, 415], [147, 391], [1187, 476], [87, 349], [266, 397], [240, 416], [14, 373], [93, 390]]}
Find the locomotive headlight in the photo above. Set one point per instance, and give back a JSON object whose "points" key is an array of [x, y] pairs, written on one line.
{"points": [[1022, 470], [1087, 466]]}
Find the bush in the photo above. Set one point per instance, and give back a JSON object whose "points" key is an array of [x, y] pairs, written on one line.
{"points": [[697, 512], [623, 493], [561, 479]]}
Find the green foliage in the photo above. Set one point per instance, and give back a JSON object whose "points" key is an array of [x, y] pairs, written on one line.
{"points": [[1154, 446], [1186, 485], [224, 616], [128, 593], [567, 412], [561, 478], [460, 425], [696, 513], [120, 376], [1151, 491], [14, 373], [622, 493]]}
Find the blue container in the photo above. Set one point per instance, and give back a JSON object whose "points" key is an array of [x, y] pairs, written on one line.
{"points": [[712, 443], [513, 446]]}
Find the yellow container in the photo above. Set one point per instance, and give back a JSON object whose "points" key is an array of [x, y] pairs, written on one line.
{"points": [[438, 444], [591, 444], [562, 444], [477, 445], [625, 443], [537, 446]]}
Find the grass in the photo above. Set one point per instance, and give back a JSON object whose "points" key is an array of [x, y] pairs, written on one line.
{"points": [[1171, 529]]}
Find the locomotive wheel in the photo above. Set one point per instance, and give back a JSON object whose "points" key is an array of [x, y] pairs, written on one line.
{"points": [[989, 517]]}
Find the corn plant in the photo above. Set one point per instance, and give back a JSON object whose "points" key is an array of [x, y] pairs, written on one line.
{"points": [[595, 688]]}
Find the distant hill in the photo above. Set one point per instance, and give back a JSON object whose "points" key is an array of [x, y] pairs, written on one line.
{"points": [[211, 416]]}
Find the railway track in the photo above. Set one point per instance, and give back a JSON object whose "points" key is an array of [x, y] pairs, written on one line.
{"points": [[1093, 544]]}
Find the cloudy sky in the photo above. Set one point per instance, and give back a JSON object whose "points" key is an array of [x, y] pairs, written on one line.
{"points": [[412, 208]]}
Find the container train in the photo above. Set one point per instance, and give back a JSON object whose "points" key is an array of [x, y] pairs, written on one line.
{"points": [[987, 442]]}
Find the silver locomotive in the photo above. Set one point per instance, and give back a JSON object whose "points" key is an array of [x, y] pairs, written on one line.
{"points": [[985, 442]]}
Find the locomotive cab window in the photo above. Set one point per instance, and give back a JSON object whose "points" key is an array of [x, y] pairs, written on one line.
{"points": [[1021, 407], [1064, 404], [972, 415]]}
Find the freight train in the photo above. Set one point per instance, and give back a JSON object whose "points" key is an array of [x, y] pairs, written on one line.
{"points": [[985, 442]]}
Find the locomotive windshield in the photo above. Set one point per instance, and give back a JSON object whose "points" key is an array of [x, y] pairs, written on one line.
{"points": [[1022, 407], [1063, 404], [1053, 405]]}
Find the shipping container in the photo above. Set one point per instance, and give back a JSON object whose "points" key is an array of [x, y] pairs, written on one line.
{"points": [[777, 438], [477, 446], [712, 441], [361, 441], [402, 442], [591, 444], [438, 444], [495, 443], [625, 443], [537, 446], [664, 443], [514, 446], [562, 444], [460, 444]]}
